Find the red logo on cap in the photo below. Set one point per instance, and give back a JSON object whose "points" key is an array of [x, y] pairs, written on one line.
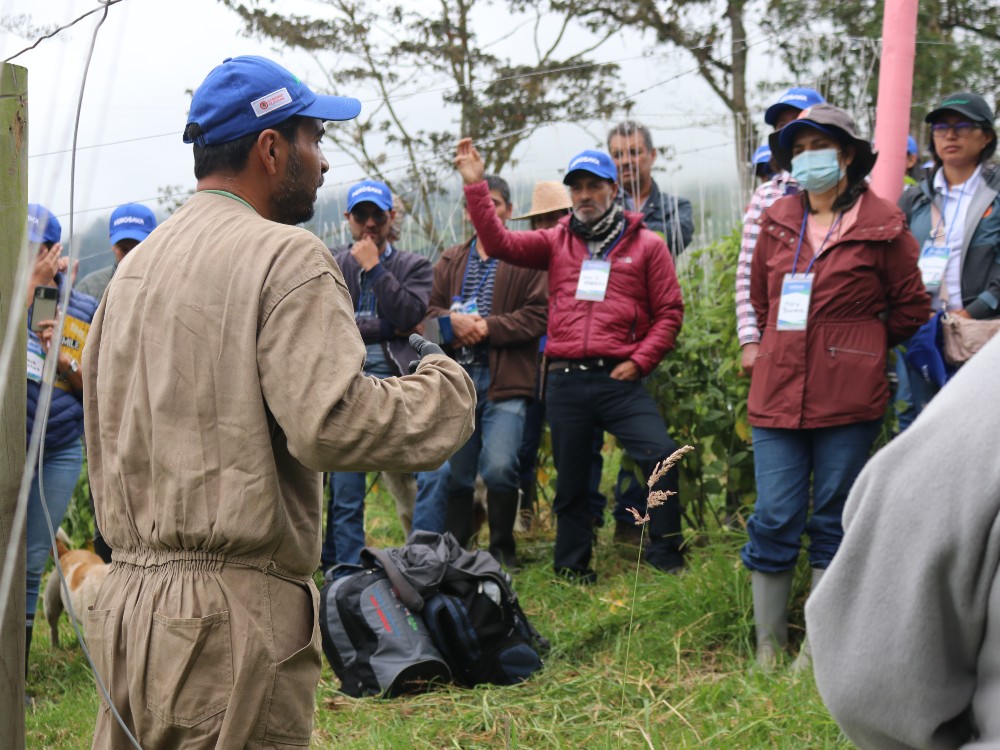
{"points": [[263, 105]]}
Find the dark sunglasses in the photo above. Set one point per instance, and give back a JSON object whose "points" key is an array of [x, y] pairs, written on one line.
{"points": [[960, 129], [362, 216]]}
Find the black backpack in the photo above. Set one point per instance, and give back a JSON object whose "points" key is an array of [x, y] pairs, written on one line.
{"points": [[374, 643], [482, 633]]}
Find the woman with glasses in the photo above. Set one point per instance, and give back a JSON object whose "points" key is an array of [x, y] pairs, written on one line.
{"points": [[834, 283], [955, 216]]}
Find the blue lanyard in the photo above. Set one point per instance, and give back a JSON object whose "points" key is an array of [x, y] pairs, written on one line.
{"points": [[954, 216], [486, 274], [613, 245], [802, 232]]}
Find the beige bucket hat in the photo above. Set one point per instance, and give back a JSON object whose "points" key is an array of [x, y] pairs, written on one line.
{"points": [[547, 197]]}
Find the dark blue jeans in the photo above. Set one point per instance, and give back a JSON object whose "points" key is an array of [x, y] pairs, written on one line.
{"points": [[491, 451], [578, 403], [784, 462]]}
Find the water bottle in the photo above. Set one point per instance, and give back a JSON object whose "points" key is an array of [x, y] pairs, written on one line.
{"points": [[463, 354]]}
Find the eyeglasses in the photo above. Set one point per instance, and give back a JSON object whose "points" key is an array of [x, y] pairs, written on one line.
{"points": [[362, 217], [960, 129]]}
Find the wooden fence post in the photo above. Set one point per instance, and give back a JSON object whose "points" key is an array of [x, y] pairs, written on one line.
{"points": [[13, 224]]}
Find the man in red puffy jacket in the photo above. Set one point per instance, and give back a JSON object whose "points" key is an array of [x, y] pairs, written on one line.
{"points": [[614, 311]]}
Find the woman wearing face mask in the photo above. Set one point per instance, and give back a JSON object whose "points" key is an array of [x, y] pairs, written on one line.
{"points": [[834, 283], [955, 216]]}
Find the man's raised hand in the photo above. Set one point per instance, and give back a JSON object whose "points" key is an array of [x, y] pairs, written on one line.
{"points": [[468, 162]]}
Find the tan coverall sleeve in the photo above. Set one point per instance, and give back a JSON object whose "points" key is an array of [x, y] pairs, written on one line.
{"points": [[310, 358]]}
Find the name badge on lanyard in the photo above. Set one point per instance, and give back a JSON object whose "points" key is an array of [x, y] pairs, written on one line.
{"points": [[793, 310], [932, 263], [593, 283], [796, 289], [36, 359]]}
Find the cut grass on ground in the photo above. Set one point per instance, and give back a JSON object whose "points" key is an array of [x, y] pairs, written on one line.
{"points": [[689, 681]]}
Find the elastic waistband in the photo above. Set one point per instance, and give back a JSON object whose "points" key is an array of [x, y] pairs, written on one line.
{"points": [[201, 560]]}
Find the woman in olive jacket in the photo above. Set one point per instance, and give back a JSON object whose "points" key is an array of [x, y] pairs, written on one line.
{"points": [[834, 283]]}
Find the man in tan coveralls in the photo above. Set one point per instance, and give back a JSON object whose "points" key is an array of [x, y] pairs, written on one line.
{"points": [[223, 375]]}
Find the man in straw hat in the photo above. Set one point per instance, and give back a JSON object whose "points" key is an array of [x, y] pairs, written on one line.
{"points": [[223, 375], [549, 203]]}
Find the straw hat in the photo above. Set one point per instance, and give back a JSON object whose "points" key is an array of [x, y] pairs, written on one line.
{"points": [[547, 197]]}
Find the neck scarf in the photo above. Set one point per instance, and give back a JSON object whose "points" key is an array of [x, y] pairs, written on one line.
{"points": [[604, 231]]}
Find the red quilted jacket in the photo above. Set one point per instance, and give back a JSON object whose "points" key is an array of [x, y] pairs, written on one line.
{"points": [[642, 309]]}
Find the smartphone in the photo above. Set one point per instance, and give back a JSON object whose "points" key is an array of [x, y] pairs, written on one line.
{"points": [[44, 306]]}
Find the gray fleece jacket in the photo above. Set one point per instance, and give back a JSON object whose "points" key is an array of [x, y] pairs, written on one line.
{"points": [[905, 625]]}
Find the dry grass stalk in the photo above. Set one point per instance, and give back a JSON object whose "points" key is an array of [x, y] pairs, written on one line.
{"points": [[659, 497]]}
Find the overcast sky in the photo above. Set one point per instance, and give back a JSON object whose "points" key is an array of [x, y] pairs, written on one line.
{"points": [[150, 52]]}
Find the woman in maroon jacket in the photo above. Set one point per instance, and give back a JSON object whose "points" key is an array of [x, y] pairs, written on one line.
{"points": [[834, 283]]}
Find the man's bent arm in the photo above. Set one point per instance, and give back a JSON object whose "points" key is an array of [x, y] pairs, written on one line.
{"points": [[309, 356]]}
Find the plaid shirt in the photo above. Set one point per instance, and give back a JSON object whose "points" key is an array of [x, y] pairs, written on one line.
{"points": [[746, 319]]}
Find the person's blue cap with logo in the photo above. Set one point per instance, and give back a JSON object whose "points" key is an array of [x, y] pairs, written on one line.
{"points": [[596, 162], [133, 221], [248, 94], [42, 225], [762, 155], [797, 97], [371, 191]]}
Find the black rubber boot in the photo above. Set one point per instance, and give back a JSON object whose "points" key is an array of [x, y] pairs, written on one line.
{"points": [[458, 516], [501, 509]]}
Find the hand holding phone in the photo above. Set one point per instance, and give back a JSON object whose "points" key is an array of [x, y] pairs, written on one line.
{"points": [[43, 307]]}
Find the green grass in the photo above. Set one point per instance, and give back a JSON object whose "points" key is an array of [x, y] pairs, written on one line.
{"points": [[689, 681]]}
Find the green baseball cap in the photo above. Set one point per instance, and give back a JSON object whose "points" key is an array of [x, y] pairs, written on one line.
{"points": [[965, 103]]}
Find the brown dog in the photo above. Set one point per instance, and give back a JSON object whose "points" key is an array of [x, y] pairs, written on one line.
{"points": [[84, 572]]}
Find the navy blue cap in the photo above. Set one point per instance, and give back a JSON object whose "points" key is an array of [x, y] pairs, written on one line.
{"points": [[248, 94], [133, 221], [595, 162], [797, 97], [762, 155], [42, 225], [371, 191]]}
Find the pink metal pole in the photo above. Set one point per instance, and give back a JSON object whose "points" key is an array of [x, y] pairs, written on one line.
{"points": [[895, 94]]}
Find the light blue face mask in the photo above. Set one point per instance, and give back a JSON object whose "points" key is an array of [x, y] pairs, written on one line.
{"points": [[817, 171]]}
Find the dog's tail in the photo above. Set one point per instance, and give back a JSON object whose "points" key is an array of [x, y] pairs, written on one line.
{"points": [[62, 542]]}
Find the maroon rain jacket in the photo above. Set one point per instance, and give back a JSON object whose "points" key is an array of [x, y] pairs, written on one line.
{"points": [[867, 296]]}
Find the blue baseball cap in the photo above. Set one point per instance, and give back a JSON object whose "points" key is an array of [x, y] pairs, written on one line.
{"points": [[371, 191], [762, 155], [248, 94], [911, 145], [42, 225], [133, 221], [796, 97], [595, 162]]}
